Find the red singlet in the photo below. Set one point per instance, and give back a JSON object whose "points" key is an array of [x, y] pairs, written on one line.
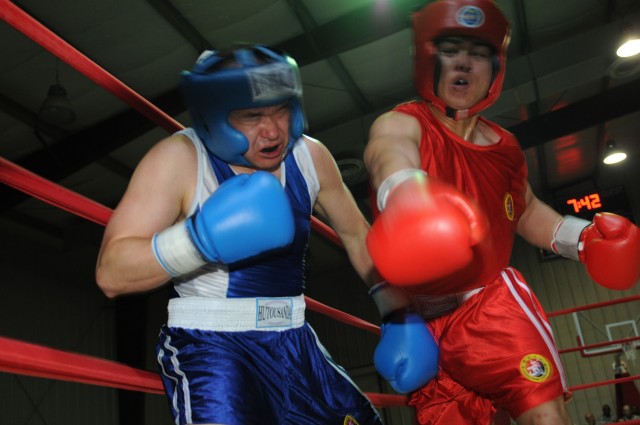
{"points": [[496, 349]]}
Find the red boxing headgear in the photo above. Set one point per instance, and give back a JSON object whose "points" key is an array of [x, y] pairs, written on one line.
{"points": [[481, 19]]}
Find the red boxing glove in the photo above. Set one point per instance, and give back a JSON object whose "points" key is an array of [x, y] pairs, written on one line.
{"points": [[610, 249], [425, 232]]}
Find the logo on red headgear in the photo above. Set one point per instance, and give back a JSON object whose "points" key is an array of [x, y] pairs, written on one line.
{"points": [[470, 16]]}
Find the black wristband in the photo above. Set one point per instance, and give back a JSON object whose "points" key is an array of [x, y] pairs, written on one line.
{"points": [[397, 316]]}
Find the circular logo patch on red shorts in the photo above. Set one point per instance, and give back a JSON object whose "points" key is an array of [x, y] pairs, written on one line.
{"points": [[535, 368]]}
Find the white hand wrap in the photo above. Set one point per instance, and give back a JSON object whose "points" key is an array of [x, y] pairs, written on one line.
{"points": [[392, 181], [389, 298], [175, 251], [566, 238]]}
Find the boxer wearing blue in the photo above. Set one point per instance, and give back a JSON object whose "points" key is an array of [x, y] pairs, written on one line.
{"points": [[223, 210], [245, 355]]}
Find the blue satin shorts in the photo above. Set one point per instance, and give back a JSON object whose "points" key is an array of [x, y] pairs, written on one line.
{"points": [[257, 377]]}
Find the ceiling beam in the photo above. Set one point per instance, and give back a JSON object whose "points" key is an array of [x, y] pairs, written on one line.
{"points": [[605, 106], [354, 29], [175, 18], [309, 24], [75, 152], [30, 119]]}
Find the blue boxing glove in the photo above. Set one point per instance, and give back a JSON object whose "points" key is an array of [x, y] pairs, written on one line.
{"points": [[247, 215], [407, 354]]}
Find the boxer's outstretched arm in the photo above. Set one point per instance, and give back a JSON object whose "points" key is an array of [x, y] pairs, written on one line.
{"points": [[393, 144], [406, 355], [426, 229]]}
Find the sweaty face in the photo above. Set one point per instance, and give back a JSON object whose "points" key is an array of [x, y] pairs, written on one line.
{"points": [[267, 130], [466, 68]]}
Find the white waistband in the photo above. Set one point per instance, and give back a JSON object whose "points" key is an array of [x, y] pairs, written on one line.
{"points": [[434, 306], [237, 314]]}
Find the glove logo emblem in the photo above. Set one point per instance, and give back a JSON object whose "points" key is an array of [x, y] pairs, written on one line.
{"points": [[350, 420], [535, 368], [509, 208]]}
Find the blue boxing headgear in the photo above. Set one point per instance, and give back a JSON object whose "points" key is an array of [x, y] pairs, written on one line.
{"points": [[262, 77]]}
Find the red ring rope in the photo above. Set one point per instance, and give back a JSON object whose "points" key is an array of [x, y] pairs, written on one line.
{"points": [[25, 181], [608, 382], [599, 344], [595, 305], [35, 360]]}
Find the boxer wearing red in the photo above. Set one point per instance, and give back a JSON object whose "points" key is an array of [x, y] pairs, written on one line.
{"points": [[478, 357], [452, 192]]}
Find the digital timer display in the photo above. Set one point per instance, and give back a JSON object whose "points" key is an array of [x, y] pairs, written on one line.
{"points": [[591, 201], [586, 204]]}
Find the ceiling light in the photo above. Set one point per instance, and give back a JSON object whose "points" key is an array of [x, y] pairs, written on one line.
{"points": [[613, 155], [630, 45], [56, 108]]}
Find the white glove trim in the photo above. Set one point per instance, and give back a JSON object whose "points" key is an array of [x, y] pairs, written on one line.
{"points": [[175, 251], [392, 181], [566, 237]]}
